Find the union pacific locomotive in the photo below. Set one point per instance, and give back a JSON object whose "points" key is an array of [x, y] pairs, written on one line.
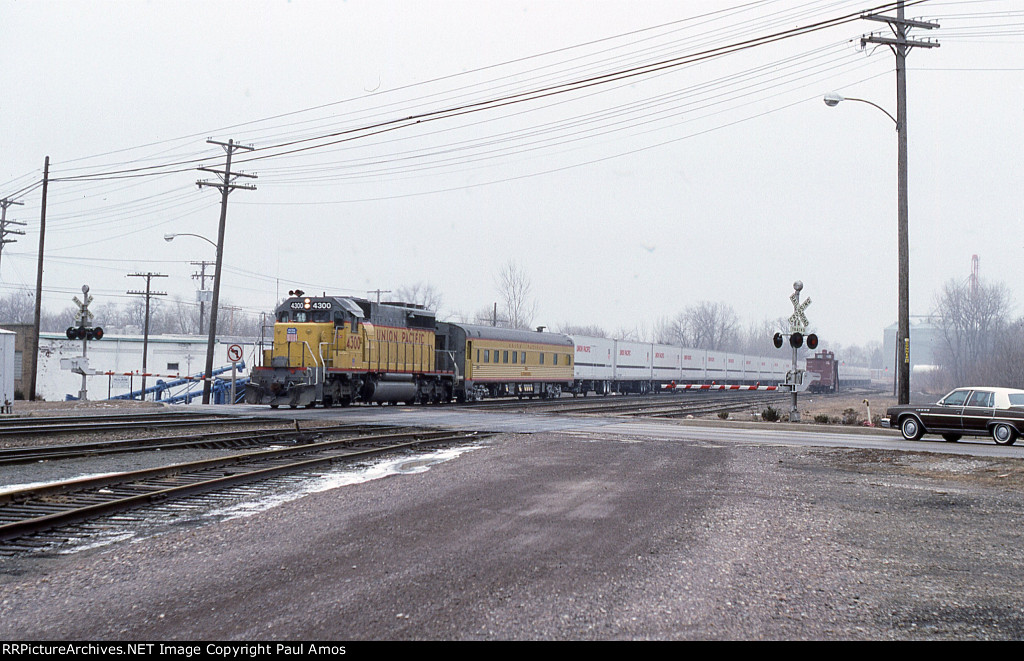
{"points": [[339, 350], [335, 351]]}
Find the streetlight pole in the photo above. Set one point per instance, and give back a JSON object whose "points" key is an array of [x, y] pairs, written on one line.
{"points": [[899, 45], [201, 276]]}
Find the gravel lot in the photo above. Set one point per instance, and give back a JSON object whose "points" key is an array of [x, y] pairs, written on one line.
{"points": [[552, 536]]}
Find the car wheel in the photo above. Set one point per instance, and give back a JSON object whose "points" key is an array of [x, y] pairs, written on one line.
{"points": [[911, 429], [1004, 434], [952, 438]]}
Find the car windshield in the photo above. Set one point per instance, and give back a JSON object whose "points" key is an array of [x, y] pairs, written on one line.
{"points": [[955, 398]]}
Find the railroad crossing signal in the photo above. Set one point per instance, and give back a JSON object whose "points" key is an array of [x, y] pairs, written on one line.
{"points": [[83, 331], [798, 320]]}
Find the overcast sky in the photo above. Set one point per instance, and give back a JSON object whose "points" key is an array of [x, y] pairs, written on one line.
{"points": [[722, 177]]}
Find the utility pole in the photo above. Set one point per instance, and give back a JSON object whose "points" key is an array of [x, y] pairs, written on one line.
{"points": [[4, 203], [39, 286], [145, 333], [900, 45], [226, 185], [379, 292], [201, 277]]}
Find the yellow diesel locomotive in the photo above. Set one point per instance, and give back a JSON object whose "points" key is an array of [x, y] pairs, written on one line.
{"points": [[334, 350]]}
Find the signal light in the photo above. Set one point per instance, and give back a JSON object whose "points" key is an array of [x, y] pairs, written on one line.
{"points": [[812, 341], [796, 340], [82, 333], [777, 340]]}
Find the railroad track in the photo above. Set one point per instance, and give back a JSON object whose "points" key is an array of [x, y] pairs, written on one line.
{"points": [[28, 513], [662, 405], [28, 426], [205, 440]]}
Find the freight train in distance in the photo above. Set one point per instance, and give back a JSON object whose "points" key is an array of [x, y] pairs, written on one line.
{"points": [[335, 351]]}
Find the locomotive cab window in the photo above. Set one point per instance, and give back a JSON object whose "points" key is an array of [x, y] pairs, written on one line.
{"points": [[282, 316], [301, 317]]}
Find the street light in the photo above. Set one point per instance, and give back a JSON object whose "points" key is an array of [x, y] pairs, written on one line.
{"points": [[202, 272], [903, 241], [832, 100], [170, 237]]}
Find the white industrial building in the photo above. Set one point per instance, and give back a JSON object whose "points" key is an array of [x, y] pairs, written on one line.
{"points": [[115, 365]]}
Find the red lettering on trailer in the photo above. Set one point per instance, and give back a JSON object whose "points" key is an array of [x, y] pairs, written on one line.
{"points": [[659, 355], [625, 352], [582, 349]]}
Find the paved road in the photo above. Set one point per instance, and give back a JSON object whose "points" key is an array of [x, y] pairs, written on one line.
{"points": [[587, 533]]}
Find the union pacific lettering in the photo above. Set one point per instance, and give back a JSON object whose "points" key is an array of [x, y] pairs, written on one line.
{"points": [[401, 335]]}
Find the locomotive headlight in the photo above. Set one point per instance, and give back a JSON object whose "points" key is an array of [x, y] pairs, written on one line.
{"points": [[305, 303]]}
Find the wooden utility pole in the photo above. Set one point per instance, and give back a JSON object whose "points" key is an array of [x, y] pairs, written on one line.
{"points": [[225, 185], [201, 277], [145, 333], [900, 45], [4, 231], [39, 286]]}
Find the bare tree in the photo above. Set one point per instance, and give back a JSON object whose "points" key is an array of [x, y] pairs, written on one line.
{"points": [[421, 293], [1006, 365], [491, 317], [674, 331], [971, 319], [756, 339], [712, 326], [17, 308], [514, 289], [587, 331], [705, 325]]}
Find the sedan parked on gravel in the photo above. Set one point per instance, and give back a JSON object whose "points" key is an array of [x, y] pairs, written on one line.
{"points": [[976, 411]]}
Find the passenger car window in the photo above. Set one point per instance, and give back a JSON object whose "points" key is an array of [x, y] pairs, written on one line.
{"points": [[1016, 400]]}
